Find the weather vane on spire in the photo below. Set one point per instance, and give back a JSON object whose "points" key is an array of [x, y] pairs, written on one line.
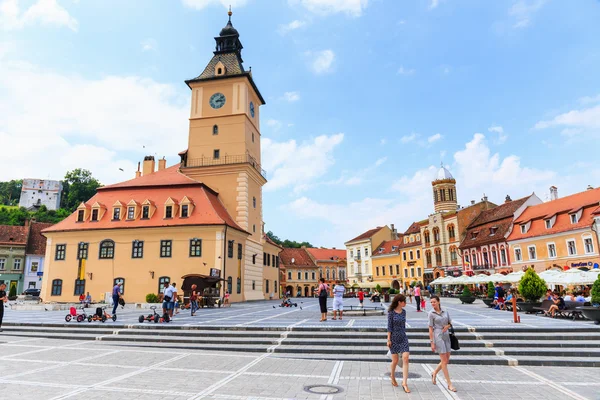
{"points": [[229, 13]]}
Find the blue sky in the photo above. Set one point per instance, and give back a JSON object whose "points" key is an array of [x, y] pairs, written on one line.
{"points": [[365, 98]]}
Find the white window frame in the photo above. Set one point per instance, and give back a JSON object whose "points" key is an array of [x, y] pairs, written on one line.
{"points": [[2, 264], [523, 228], [503, 260], [534, 252], [574, 245], [573, 218], [584, 238], [518, 254], [554, 247]]}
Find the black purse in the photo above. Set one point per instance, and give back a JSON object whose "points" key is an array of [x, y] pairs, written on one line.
{"points": [[454, 345]]}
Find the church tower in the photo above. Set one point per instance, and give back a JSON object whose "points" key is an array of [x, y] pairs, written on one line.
{"points": [[444, 191], [224, 143]]}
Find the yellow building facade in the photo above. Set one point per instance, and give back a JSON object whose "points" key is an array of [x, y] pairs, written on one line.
{"points": [[199, 221], [386, 261], [411, 262]]}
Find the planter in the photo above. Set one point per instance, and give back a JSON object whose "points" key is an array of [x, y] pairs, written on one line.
{"points": [[12, 298], [591, 313], [467, 299], [528, 306], [488, 302]]}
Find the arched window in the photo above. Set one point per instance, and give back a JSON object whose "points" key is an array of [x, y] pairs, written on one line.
{"points": [[435, 196], [438, 256], [79, 287], [122, 282], [57, 287], [333, 274], [427, 238], [453, 255], [219, 71], [275, 287], [239, 286], [451, 232], [229, 284], [442, 194], [215, 129], [486, 260], [327, 273], [161, 283], [494, 257], [503, 255], [428, 257], [107, 249], [436, 235]]}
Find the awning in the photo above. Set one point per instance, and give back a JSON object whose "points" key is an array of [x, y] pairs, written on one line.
{"points": [[202, 281]]}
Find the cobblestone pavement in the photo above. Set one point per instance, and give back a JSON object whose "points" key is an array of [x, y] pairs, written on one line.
{"points": [[269, 314], [65, 369]]}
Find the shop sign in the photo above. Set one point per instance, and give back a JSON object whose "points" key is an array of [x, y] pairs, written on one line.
{"points": [[215, 272], [40, 273], [581, 264]]}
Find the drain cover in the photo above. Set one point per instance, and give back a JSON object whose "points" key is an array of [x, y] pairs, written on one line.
{"points": [[323, 389]]}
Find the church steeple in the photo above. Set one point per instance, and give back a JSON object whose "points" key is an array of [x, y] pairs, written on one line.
{"points": [[228, 40]]}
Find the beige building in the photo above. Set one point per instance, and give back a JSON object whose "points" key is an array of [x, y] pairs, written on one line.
{"points": [[302, 273], [359, 251], [199, 221]]}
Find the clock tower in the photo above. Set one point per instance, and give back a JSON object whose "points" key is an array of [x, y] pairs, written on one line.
{"points": [[224, 143]]}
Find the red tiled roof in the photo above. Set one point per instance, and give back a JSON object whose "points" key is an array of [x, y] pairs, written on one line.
{"points": [[270, 241], [366, 235], [588, 200], [386, 246], [208, 209], [300, 256], [499, 212], [167, 177], [327, 254], [13, 235], [414, 228], [37, 242]]}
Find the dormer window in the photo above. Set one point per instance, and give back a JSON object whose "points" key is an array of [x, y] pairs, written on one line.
{"points": [[95, 214], [116, 214], [169, 212], [523, 228], [145, 212], [574, 218], [184, 211], [381, 250], [493, 230], [394, 248], [548, 224], [474, 234], [130, 212], [80, 215]]}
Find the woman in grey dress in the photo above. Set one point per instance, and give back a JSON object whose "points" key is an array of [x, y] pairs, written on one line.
{"points": [[439, 337]]}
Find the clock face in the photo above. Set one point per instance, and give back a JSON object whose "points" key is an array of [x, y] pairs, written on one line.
{"points": [[217, 100], [252, 109]]}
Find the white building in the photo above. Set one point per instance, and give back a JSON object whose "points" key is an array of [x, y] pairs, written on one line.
{"points": [[359, 252], [38, 192], [34, 256]]}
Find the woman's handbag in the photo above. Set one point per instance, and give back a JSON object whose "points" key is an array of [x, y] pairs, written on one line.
{"points": [[454, 345], [323, 291]]}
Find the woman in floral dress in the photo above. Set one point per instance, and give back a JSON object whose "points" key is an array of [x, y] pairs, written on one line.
{"points": [[397, 340]]}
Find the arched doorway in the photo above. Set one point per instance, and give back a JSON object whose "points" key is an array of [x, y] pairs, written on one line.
{"points": [[207, 285], [289, 290], [306, 291], [395, 285]]}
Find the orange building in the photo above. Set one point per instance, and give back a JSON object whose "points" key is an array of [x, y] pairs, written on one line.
{"points": [[561, 233], [331, 263]]}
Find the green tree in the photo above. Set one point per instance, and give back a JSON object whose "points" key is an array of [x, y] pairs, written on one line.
{"points": [[490, 289], [10, 192], [596, 291], [532, 287], [287, 243], [79, 185], [12, 292]]}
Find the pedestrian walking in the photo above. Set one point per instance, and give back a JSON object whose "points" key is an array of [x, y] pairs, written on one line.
{"points": [[338, 300], [409, 292], [397, 341], [175, 298], [439, 337], [116, 295], [361, 297], [418, 297], [194, 300], [3, 299], [323, 289], [167, 299]]}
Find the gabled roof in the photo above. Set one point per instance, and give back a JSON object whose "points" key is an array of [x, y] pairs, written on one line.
{"points": [[386, 247], [36, 244], [587, 201], [13, 235], [167, 177], [366, 235], [498, 213], [300, 256], [321, 254], [414, 228]]}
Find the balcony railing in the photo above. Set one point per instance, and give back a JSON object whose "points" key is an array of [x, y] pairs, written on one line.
{"points": [[225, 160], [484, 266]]}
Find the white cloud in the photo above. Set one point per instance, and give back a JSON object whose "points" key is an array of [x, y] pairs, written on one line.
{"points": [[322, 61], [409, 138], [434, 138], [588, 119], [404, 71], [433, 4], [523, 10], [291, 96], [352, 8], [500, 131], [44, 12], [87, 123], [200, 4], [292, 26], [290, 164], [380, 161], [149, 45], [275, 124], [590, 99], [382, 141]]}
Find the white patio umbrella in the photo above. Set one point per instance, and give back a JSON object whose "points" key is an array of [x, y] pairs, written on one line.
{"points": [[497, 278], [481, 278], [545, 275], [573, 277], [514, 277]]}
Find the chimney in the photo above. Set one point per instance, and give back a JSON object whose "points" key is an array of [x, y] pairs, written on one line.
{"points": [[148, 165], [590, 187], [553, 193], [507, 199], [162, 163], [138, 173], [394, 233], [484, 198], [472, 202]]}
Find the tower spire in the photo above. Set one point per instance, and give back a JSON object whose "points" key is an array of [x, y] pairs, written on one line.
{"points": [[229, 13]]}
